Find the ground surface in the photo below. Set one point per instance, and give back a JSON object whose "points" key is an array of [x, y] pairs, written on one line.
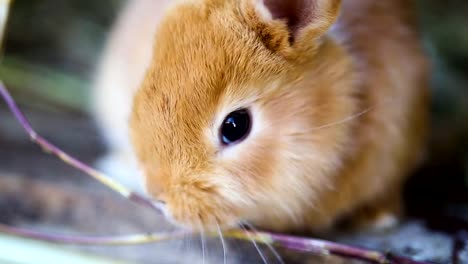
{"points": [[40, 192]]}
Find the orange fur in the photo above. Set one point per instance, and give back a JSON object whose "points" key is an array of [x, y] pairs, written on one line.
{"points": [[306, 163]]}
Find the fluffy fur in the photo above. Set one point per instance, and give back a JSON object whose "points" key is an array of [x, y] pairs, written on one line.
{"points": [[337, 91]]}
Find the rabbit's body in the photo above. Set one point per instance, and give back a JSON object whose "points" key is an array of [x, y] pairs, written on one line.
{"points": [[337, 109]]}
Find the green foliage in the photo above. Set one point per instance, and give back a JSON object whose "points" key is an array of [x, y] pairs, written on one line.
{"points": [[64, 34], [48, 87]]}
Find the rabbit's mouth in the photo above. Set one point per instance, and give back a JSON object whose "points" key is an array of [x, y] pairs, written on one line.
{"points": [[198, 210]]}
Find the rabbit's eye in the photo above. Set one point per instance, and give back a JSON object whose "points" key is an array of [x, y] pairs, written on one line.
{"points": [[235, 127]]}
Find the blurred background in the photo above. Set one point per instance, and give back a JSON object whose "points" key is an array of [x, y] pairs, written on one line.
{"points": [[51, 50]]}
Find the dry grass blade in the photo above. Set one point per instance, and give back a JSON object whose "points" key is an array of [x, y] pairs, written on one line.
{"points": [[23, 251], [135, 239]]}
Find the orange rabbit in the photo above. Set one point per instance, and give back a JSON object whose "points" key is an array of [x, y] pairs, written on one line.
{"points": [[290, 115]]}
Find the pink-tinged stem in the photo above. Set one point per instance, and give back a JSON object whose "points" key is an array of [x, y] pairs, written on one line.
{"points": [[322, 247], [331, 248], [50, 148], [290, 242]]}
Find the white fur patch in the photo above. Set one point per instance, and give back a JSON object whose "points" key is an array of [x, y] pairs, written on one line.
{"points": [[122, 170], [385, 221], [262, 10]]}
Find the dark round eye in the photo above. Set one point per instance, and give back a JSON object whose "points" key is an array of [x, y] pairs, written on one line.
{"points": [[235, 127]]}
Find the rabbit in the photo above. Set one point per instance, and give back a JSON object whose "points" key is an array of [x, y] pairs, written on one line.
{"points": [[291, 115]]}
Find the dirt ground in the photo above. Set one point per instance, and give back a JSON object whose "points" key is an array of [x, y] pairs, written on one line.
{"points": [[40, 192]]}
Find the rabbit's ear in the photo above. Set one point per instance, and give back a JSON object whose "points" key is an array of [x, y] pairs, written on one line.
{"points": [[294, 23]]}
